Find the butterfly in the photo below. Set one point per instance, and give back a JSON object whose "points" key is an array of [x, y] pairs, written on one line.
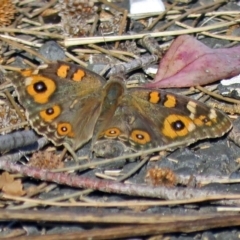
{"points": [[67, 103]]}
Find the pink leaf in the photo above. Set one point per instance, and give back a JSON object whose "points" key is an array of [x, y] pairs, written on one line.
{"points": [[189, 62]]}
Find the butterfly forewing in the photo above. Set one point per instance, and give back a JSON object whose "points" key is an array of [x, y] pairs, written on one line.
{"points": [[62, 101]]}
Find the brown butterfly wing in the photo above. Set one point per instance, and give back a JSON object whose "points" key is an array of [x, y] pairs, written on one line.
{"points": [[62, 101], [179, 118], [140, 118]]}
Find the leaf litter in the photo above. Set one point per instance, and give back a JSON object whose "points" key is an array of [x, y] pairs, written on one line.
{"points": [[34, 24]]}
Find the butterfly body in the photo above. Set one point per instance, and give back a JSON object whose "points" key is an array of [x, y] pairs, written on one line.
{"points": [[68, 103]]}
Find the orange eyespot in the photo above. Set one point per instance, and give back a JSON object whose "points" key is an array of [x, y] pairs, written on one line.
{"points": [[51, 113], [63, 71], [140, 137], [65, 129], [177, 126], [40, 88], [112, 132]]}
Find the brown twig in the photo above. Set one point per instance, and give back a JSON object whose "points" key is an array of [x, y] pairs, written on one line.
{"points": [[162, 224], [107, 186], [31, 32], [217, 96]]}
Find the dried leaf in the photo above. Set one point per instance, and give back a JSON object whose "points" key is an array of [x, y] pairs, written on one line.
{"points": [[14, 188], [189, 62], [5, 178], [11, 186]]}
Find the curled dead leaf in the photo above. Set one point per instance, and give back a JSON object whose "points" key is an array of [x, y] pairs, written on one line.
{"points": [[188, 62]]}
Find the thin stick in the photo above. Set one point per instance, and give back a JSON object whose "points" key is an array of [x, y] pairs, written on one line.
{"points": [[116, 55], [16, 107], [225, 37], [123, 203], [88, 40], [215, 95], [33, 44], [189, 11], [20, 46], [30, 32], [40, 10], [208, 14], [134, 170], [75, 59]]}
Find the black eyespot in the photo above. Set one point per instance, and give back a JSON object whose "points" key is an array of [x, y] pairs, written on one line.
{"points": [[40, 87], [64, 129], [205, 120], [139, 136], [178, 125], [49, 111]]}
